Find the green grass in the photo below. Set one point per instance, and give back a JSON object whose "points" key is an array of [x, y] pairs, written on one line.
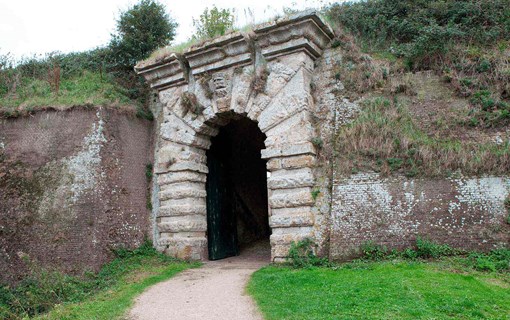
{"points": [[380, 290], [114, 303], [385, 137], [87, 88], [108, 294]]}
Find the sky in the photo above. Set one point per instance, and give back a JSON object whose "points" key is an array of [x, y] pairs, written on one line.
{"points": [[30, 27]]}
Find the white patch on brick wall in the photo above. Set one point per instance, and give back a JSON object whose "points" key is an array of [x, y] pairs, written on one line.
{"points": [[84, 166], [393, 210], [487, 194]]}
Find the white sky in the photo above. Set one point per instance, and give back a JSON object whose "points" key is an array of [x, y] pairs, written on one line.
{"points": [[40, 26]]}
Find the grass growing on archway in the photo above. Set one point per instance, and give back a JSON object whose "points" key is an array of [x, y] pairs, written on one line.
{"points": [[380, 290]]}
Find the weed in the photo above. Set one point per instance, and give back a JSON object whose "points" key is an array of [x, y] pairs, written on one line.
{"points": [[373, 251], [144, 113], [315, 193], [148, 171], [302, 255], [318, 142], [204, 81], [428, 249]]}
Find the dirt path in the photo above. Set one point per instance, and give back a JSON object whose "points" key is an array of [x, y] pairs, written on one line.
{"points": [[214, 291]]}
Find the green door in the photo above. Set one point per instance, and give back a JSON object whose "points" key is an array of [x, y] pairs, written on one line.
{"points": [[221, 219]]}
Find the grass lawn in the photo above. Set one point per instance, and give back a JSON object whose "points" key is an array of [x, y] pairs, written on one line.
{"points": [[380, 290], [114, 302], [108, 294]]}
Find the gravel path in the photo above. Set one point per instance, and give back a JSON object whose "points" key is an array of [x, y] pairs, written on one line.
{"points": [[214, 291]]}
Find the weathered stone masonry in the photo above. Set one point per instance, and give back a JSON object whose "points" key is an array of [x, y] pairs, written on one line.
{"points": [[264, 75], [280, 75], [73, 184]]}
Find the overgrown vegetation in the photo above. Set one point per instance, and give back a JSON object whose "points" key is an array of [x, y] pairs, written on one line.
{"points": [[467, 42], [385, 138], [103, 295], [492, 261], [99, 76]]}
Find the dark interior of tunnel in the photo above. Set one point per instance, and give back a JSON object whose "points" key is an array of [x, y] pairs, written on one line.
{"points": [[237, 204]]}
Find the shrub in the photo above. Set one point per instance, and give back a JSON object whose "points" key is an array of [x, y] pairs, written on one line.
{"points": [[428, 249], [373, 251], [495, 260], [301, 255], [420, 29], [212, 23]]}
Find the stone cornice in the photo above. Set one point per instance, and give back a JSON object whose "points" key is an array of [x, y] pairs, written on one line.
{"points": [[220, 53], [169, 72], [303, 32]]}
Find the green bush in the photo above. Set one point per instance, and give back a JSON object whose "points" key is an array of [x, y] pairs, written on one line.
{"points": [[428, 249], [301, 255], [465, 40], [417, 29], [212, 23], [495, 260], [372, 251]]}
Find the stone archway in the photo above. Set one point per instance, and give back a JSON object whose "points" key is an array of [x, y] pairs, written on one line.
{"points": [[264, 75]]}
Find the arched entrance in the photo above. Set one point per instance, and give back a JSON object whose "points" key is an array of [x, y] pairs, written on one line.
{"points": [[237, 205], [264, 75]]}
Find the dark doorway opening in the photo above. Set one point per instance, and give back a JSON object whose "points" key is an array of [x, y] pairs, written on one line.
{"points": [[237, 206]]}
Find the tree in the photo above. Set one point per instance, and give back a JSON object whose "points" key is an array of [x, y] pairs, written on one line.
{"points": [[140, 30], [215, 22]]}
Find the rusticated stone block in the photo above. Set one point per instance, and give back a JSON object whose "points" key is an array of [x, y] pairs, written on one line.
{"points": [[190, 223], [181, 176], [185, 248], [182, 210], [288, 179], [298, 162], [182, 190], [289, 198]]}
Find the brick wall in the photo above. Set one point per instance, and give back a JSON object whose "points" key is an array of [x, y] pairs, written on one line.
{"points": [[463, 212], [72, 187]]}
